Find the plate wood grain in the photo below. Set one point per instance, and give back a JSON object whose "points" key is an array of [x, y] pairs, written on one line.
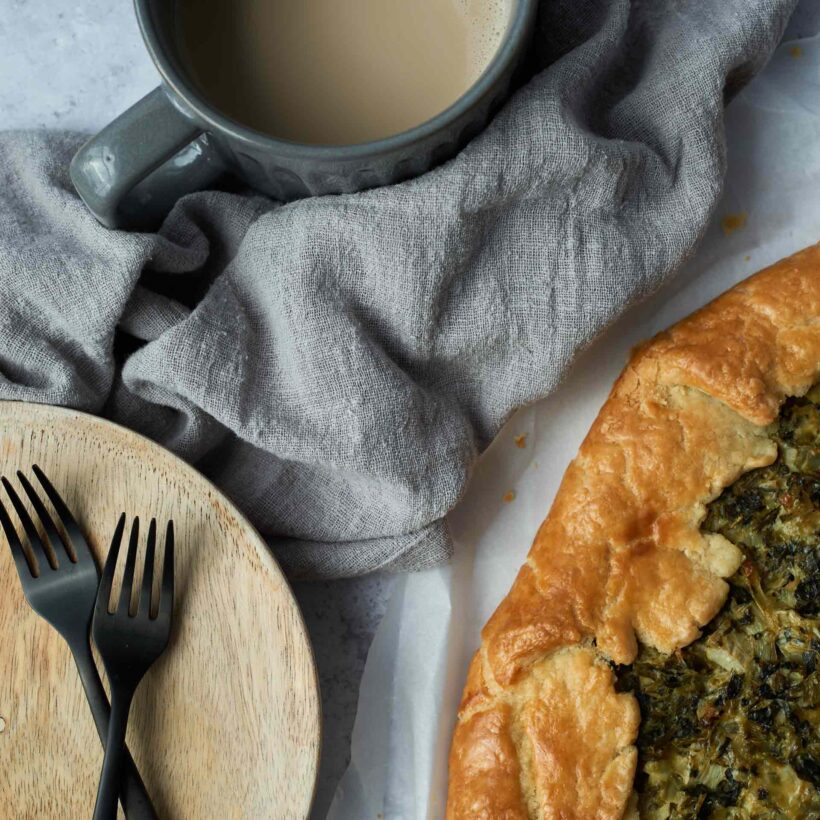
{"points": [[227, 722]]}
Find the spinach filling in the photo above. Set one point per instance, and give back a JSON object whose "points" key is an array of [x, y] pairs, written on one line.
{"points": [[729, 724]]}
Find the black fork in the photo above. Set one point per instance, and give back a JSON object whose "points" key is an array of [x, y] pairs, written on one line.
{"points": [[61, 587], [129, 642]]}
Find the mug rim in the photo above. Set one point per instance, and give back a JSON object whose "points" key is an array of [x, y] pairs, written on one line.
{"points": [[216, 120]]}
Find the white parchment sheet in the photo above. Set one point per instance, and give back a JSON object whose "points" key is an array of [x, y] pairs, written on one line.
{"points": [[417, 664]]}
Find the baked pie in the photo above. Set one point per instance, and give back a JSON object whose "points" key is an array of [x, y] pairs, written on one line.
{"points": [[657, 655]]}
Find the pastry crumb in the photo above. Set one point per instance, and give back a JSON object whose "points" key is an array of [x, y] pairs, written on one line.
{"points": [[733, 222], [509, 496], [521, 441], [746, 258], [796, 52]]}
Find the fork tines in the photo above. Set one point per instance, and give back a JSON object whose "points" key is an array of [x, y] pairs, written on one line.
{"points": [[122, 603], [54, 550]]}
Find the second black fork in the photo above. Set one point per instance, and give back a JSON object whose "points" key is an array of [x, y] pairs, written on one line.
{"points": [[129, 642]]}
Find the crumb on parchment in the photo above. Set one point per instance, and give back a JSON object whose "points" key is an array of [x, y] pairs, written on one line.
{"points": [[733, 222], [521, 441], [796, 52], [509, 496]]}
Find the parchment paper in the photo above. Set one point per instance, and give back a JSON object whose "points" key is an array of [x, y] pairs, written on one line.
{"points": [[416, 668]]}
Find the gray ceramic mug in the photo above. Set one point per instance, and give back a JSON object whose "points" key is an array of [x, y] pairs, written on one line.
{"points": [[173, 142]]}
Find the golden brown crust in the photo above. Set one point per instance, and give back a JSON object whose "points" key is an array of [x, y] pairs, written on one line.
{"points": [[484, 760], [621, 558], [580, 732]]}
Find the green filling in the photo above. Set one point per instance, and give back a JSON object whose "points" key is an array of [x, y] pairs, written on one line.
{"points": [[729, 725]]}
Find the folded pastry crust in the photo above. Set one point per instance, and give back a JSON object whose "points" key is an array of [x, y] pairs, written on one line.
{"points": [[620, 558]]}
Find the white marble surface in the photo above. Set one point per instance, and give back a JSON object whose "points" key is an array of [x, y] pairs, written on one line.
{"points": [[342, 617], [72, 64], [76, 64]]}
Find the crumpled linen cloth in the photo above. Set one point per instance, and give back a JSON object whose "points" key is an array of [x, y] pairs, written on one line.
{"points": [[337, 364]]}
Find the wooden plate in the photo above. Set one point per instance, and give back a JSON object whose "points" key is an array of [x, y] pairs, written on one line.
{"points": [[227, 723]]}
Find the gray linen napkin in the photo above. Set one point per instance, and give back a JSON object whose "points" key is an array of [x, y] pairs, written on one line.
{"points": [[336, 365]]}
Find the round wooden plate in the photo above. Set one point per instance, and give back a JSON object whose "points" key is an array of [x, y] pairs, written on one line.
{"points": [[227, 722]]}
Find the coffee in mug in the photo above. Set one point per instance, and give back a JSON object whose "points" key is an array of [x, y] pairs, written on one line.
{"points": [[337, 72]]}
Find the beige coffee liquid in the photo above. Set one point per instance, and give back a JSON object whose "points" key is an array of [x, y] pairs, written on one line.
{"points": [[337, 71]]}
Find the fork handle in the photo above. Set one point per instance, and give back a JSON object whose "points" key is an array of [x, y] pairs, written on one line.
{"points": [[109, 788], [134, 797]]}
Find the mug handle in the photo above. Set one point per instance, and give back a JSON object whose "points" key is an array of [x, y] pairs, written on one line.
{"points": [[131, 173]]}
